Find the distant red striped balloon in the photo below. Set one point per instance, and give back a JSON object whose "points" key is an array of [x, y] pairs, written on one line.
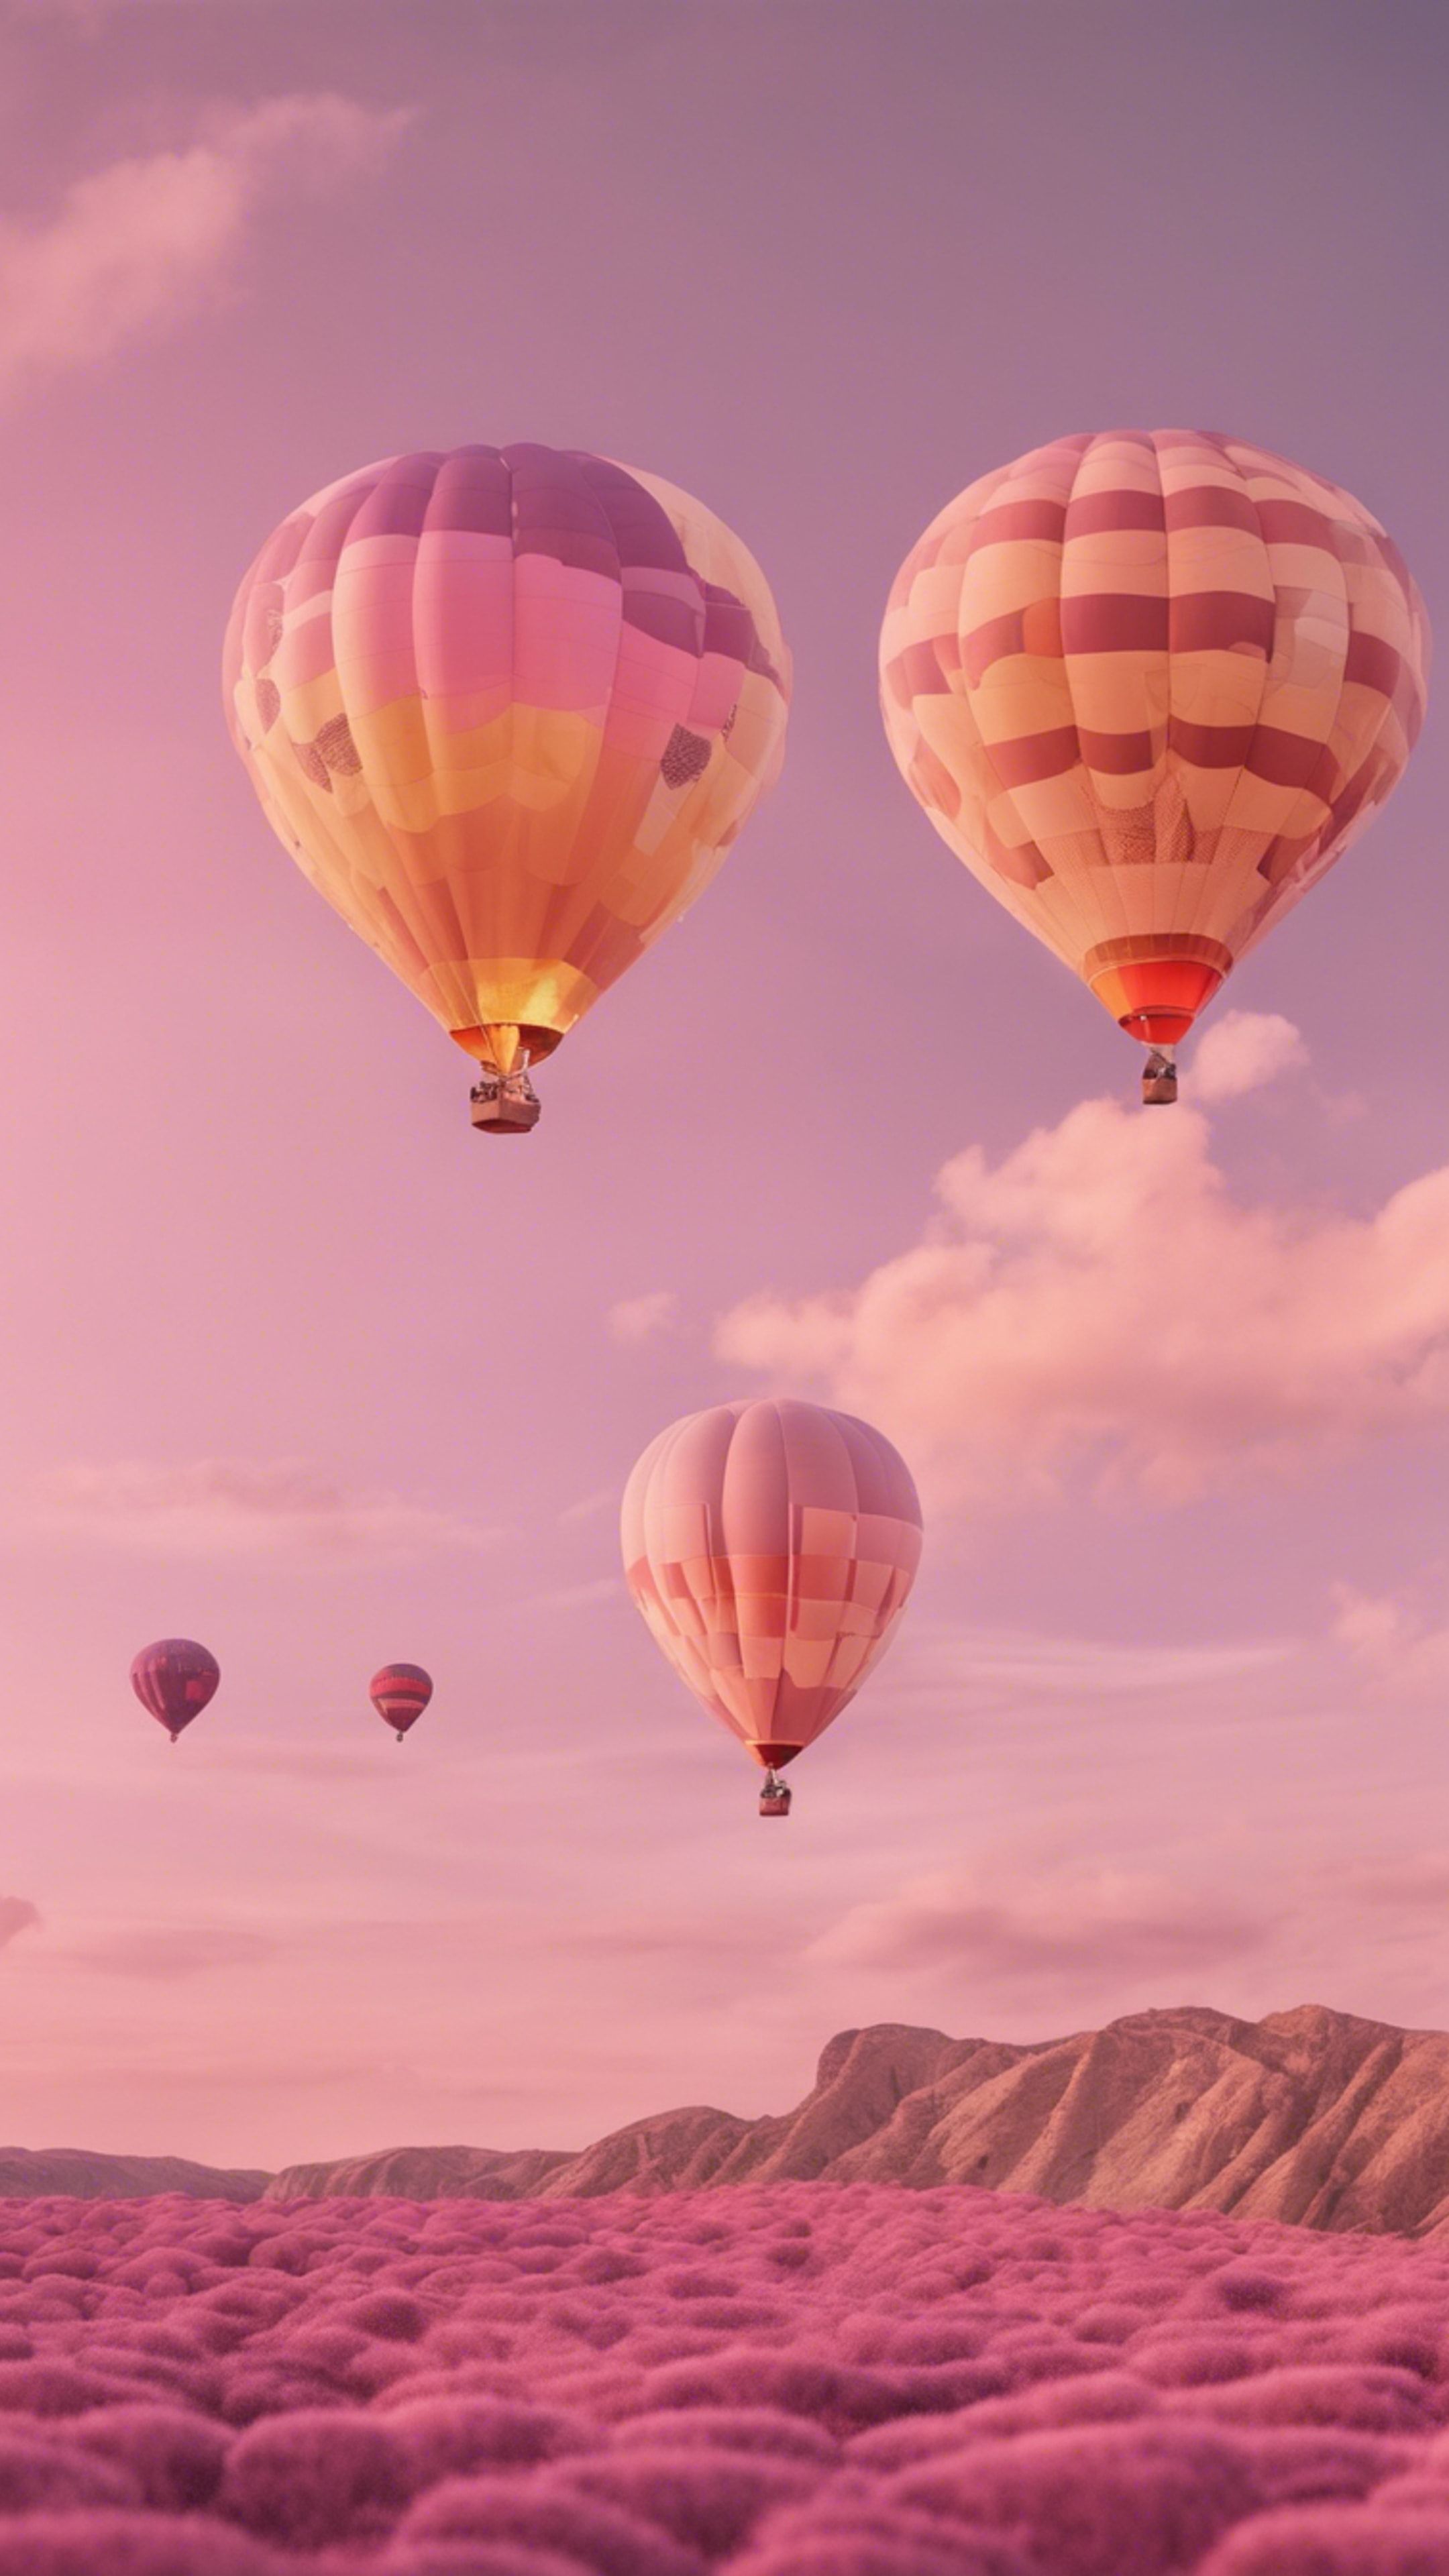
{"points": [[1148, 685], [770, 1547], [174, 1680], [400, 1693]]}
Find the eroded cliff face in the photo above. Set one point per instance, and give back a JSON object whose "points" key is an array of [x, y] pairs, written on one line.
{"points": [[1312, 2116]]}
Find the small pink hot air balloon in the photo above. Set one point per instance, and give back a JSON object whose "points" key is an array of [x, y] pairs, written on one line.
{"points": [[175, 1680], [770, 1547], [400, 1693]]}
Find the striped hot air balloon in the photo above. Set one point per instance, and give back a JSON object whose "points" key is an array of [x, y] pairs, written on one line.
{"points": [[507, 708], [770, 1547], [174, 1680], [400, 1693], [1149, 685]]}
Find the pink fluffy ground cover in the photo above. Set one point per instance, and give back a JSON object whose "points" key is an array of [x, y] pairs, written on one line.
{"points": [[795, 2381]]}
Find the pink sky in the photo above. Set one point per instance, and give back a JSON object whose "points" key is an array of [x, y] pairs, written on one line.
{"points": [[295, 1364]]}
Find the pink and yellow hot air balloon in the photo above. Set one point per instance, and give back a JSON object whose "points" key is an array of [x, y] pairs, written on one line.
{"points": [[770, 1547], [507, 708], [1148, 685]]}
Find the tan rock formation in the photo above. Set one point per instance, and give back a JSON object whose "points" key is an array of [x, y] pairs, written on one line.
{"points": [[1311, 2116], [34, 2173]]}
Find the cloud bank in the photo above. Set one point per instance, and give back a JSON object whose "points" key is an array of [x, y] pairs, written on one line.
{"points": [[218, 1508], [1069, 1929], [1099, 1304], [139, 245]]}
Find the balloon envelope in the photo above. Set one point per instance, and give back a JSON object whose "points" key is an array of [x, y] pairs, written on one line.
{"points": [[400, 1693], [175, 1680], [507, 707], [770, 1547], [1148, 686]]}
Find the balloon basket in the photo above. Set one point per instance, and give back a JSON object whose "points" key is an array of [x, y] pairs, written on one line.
{"points": [[774, 1797], [505, 1107], [1159, 1080]]}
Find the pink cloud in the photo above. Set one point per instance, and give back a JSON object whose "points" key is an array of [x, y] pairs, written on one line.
{"points": [[228, 1508], [17, 1915], [173, 1951], [1100, 1302], [271, 1757], [569, 1596], [1063, 1927], [137, 246], [1396, 1645], [969, 1666], [1414, 1882], [1241, 1052], [639, 1319]]}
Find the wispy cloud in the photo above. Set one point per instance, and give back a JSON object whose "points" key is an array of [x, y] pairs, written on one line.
{"points": [[218, 1508], [1061, 1928], [17, 1915], [1412, 1883], [932, 1660], [270, 1757], [166, 1953], [642, 1319], [137, 246], [1400, 1648], [573, 1596], [1099, 1302]]}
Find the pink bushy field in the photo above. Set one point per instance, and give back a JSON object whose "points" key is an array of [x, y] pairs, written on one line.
{"points": [[796, 2380]]}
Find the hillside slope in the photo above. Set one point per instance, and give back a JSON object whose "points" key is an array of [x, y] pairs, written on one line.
{"points": [[37, 2173], [1311, 2116]]}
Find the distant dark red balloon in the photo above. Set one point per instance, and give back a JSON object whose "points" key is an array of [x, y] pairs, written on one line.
{"points": [[174, 1680], [400, 1693]]}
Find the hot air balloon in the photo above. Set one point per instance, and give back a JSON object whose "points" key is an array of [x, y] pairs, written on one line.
{"points": [[400, 1693], [507, 708], [1148, 685], [175, 1680], [770, 1547]]}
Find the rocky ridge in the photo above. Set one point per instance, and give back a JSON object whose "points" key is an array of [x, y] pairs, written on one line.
{"points": [[73, 2173], [1310, 2116]]}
